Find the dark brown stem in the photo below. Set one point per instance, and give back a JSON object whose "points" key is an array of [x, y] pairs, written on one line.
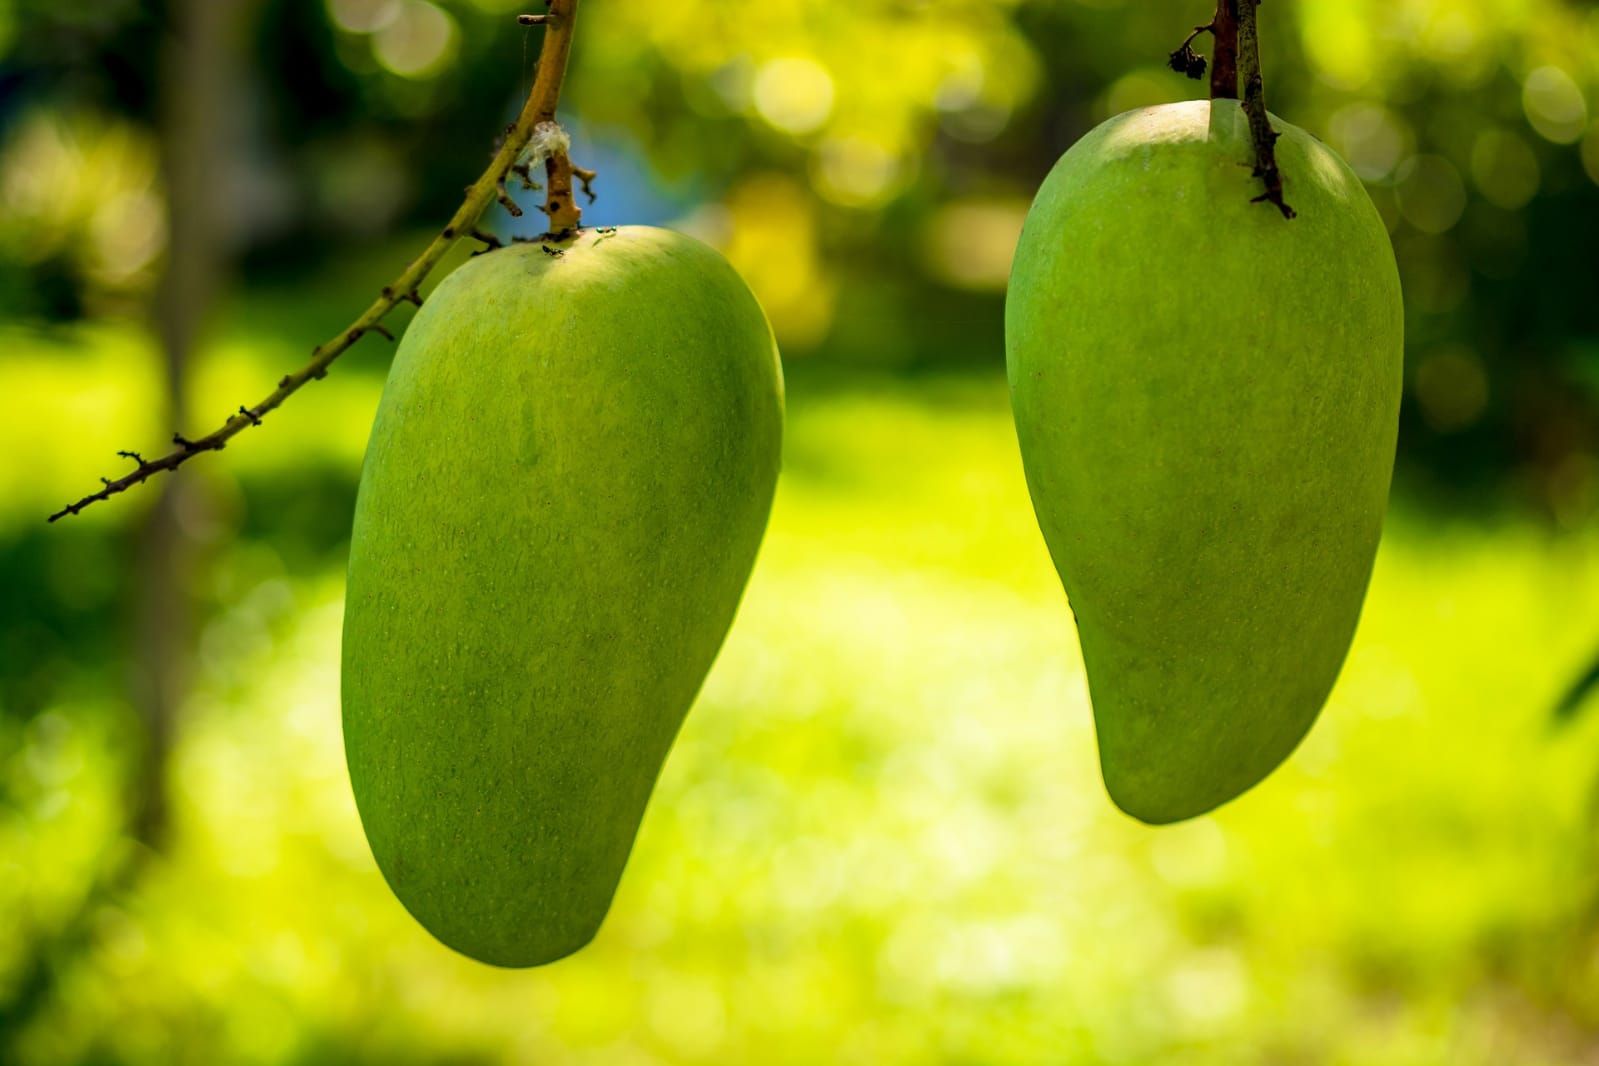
{"points": [[564, 218], [1224, 57], [1260, 131]]}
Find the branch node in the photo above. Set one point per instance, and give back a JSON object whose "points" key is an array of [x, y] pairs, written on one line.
{"points": [[506, 202], [586, 180], [525, 172], [255, 419]]}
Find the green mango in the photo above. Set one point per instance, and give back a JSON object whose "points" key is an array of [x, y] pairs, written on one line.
{"points": [[567, 481], [1206, 398]]}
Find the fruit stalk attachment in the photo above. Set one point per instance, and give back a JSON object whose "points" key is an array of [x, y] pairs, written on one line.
{"points": [[1224, 64], [533, 137], [1235, 29], [1223, 28]]}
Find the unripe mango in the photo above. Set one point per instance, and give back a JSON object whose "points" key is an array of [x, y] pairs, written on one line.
{"points": [[567, 481], [1206, 397]]}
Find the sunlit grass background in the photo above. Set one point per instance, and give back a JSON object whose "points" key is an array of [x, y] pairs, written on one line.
{"points": [[881, 837]]}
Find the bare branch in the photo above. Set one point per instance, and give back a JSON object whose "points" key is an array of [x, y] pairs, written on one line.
{"points": [[1260, 131], [564, 217]]}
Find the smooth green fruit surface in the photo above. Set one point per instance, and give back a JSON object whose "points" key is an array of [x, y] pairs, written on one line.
{"points": [[567, 481], [1206, 398]]}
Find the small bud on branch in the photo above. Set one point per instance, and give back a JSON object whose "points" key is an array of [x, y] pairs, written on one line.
{"points": [[1185, 60]]}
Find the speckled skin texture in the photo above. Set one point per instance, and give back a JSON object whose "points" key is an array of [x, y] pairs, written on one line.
{"points": [[567, 481], [1206, 397]]}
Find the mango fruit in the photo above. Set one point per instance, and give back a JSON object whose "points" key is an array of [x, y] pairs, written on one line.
{"points": [[1206, 398], [568, 477]]}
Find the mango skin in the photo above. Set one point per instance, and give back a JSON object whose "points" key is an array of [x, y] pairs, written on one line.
{"points": [[568, 477], [1206, 399]]}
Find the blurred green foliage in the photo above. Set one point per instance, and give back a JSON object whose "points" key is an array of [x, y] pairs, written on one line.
{"points": [[866, 165], [882, 838]]}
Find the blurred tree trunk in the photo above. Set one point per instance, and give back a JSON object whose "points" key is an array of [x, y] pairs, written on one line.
{"points": [[199, 65], [200, 68]]}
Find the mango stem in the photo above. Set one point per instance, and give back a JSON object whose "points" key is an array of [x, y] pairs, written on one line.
{"points": [[1224, 57]]}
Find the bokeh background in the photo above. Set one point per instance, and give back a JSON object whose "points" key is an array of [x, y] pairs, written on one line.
{"points": [[882, 836]]}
